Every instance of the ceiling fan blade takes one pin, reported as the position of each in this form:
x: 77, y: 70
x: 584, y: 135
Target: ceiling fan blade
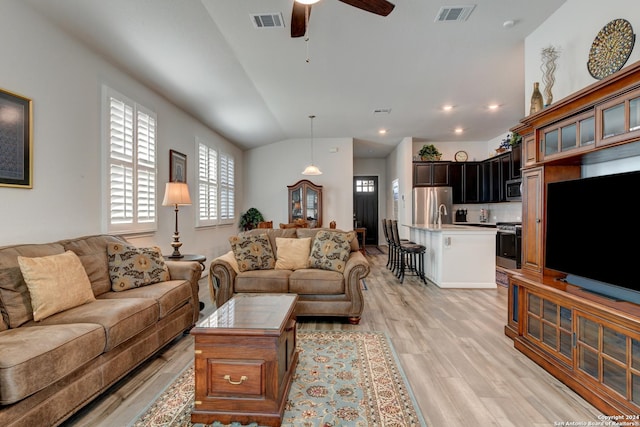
x: 379, y: 7
x: 298, y: 19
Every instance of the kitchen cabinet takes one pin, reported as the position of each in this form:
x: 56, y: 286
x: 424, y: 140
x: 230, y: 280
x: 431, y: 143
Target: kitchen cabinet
x: 305, y: 202
x: 430, y: 174
x: 515, y: 162
x: 464, y: 178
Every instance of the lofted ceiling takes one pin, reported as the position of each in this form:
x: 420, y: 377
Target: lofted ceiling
x: 255, y: 86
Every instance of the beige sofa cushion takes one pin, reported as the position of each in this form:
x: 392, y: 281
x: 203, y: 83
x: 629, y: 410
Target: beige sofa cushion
x: 293, y: 254
x: 311, y: 281
x: 56, y: 283
x: 53, y: 352
x: 15, y: 302
x: 170, y: 295
x: 276, y: 281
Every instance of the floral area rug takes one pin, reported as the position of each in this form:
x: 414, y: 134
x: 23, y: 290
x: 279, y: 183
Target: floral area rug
x: 343, y: 378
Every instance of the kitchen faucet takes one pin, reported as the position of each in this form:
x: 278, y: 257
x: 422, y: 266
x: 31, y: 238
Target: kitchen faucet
x: 440, y: 208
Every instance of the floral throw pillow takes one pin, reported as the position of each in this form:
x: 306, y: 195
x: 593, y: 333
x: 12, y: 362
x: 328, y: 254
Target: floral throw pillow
x: 132, y: 267
x: 330, y: 251
x: 253, y: 252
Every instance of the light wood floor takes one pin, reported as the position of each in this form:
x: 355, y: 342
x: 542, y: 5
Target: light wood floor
x: 462, y: 368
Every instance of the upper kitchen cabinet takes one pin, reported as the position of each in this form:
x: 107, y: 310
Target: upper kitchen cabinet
x: 465, y: 180
x: 430, y: 174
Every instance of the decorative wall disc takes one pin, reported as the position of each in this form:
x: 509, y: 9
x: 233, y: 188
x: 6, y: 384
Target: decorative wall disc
x: 611, y: 48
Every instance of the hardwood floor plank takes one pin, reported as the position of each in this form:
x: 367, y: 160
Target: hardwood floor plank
x: 451, y: 345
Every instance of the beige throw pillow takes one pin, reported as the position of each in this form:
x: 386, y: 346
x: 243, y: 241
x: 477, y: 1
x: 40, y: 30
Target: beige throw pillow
x: 293, y: 254
x: 330, y: 251
x: 132, y: 267
x: 56, y: 283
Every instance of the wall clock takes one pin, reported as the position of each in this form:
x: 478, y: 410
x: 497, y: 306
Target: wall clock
x: 611, y: 48
x: 461, y: 156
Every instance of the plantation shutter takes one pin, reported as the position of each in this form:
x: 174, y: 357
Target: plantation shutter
x: 227, y: 196
x: 131, y: 142
x: 207, y: 185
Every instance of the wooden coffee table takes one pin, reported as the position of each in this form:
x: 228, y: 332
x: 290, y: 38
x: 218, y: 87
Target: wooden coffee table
x: 245, y: 356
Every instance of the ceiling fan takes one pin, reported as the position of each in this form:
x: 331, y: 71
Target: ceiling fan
x: 302, y: 8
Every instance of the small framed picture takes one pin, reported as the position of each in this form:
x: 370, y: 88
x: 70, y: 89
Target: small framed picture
x: 16, y: 141
x: 177, y: 166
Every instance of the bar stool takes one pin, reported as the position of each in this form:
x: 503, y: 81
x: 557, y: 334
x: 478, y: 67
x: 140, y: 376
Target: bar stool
x: 411, y: 255
x: 389, y: 242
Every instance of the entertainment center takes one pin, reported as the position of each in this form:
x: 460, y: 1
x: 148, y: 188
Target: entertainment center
x: 572, y: 307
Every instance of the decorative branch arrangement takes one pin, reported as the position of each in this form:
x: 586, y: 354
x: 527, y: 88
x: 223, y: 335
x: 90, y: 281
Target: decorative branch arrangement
x: 549, y: 56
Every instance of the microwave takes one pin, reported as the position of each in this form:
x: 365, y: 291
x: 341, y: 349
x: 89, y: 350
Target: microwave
x: 514, y: 190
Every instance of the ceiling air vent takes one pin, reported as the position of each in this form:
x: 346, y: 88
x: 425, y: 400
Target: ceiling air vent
x: 454, y: 13
x: 267, y: 20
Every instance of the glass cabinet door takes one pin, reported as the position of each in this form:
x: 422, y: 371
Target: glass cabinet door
x: 305, y: 203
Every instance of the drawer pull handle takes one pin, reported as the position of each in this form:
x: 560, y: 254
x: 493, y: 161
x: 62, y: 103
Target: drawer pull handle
x: 242, y: 378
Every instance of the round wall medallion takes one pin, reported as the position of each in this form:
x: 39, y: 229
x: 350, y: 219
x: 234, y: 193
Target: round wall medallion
x: 611, y: 48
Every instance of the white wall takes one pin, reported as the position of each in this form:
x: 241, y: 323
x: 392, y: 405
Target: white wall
x: 64, y: 81
x: 572, y: 30
x: 271, y: 168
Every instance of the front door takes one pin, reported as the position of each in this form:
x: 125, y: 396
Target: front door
x: 365, y: 205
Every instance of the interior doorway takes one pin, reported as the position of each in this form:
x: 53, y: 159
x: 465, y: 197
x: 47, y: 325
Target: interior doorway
x: 365, y: 206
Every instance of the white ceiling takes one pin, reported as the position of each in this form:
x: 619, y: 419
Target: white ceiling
x: 254, y: 86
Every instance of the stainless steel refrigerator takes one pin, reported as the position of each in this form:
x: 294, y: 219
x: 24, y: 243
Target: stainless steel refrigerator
x: 427, y: 201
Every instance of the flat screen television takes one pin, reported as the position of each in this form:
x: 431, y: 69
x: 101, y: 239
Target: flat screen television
x: 593, y: 232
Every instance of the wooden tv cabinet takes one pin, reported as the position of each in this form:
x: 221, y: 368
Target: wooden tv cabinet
x: 587, y: 341
x: 245, y: 357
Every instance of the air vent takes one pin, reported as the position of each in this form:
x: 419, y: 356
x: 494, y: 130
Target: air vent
x: 267, y: 20
x: 382, y: 111
x: 454, y: 13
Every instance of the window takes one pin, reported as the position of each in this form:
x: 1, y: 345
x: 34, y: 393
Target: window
x: 365, y: 186
x: 216, y: 186
x: 130, y: 144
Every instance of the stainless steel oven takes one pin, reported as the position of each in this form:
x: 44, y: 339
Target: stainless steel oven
x: 508, y: 244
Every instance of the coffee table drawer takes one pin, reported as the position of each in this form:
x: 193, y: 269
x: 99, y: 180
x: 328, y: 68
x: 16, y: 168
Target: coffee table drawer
x: 236, y: 377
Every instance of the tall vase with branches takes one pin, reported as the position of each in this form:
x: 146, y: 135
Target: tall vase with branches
x: 549, y: 56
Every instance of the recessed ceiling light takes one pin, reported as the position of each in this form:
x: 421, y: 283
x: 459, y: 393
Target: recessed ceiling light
x: 382, y: 131
x: 447, y: 107
x: 458, y: 130
x: 493, y: 107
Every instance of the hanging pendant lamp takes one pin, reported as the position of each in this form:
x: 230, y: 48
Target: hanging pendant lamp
x: 311, y: 169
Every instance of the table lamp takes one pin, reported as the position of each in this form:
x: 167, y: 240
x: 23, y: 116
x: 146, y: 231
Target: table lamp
x: 176, y: 194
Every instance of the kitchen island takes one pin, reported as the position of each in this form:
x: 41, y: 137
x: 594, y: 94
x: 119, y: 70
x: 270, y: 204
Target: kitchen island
x: 458, y: 256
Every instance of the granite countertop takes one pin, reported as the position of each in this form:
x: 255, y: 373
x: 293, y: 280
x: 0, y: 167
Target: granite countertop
x: 476, y: 224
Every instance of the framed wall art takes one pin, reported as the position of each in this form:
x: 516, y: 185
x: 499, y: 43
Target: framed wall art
x: 177, y: 166
x: 16, y: 141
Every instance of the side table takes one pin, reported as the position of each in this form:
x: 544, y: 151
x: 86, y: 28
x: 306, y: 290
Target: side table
x: 190, y: 257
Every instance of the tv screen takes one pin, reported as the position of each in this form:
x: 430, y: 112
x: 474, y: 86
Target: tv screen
x: 592, y: 229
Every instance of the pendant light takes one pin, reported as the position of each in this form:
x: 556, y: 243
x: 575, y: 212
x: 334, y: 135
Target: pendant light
x: 311, y: 169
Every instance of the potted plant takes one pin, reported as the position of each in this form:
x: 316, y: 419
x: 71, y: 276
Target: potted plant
x: 250, y: 219
x: 510, y: 141
x: 429, y: 152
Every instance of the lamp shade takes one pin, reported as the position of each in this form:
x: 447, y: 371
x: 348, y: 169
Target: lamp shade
x: 311, y: 170
x: 176, y: 193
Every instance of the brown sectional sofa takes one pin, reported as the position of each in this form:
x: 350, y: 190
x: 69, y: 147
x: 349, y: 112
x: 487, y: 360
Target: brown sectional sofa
x: 320, y: 292
x: 50, y: 368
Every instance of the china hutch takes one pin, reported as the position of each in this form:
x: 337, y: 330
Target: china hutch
x: 588, y: 341
x: 305, y: 203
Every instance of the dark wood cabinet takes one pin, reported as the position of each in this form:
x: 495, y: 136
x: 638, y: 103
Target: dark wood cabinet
x: 430, y: 174
x: 305, y: 202
x: 465, y: 178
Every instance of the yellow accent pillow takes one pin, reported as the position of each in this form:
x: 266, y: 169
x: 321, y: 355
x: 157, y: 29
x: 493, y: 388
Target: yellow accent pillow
x: 56, y: 283
x: 293, y: 254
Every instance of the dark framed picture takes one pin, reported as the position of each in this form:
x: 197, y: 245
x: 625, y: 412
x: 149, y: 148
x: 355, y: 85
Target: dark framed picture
x: 16, y: 141
x: 177, y: 166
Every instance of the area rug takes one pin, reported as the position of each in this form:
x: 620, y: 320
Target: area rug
x: 343, y: 378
